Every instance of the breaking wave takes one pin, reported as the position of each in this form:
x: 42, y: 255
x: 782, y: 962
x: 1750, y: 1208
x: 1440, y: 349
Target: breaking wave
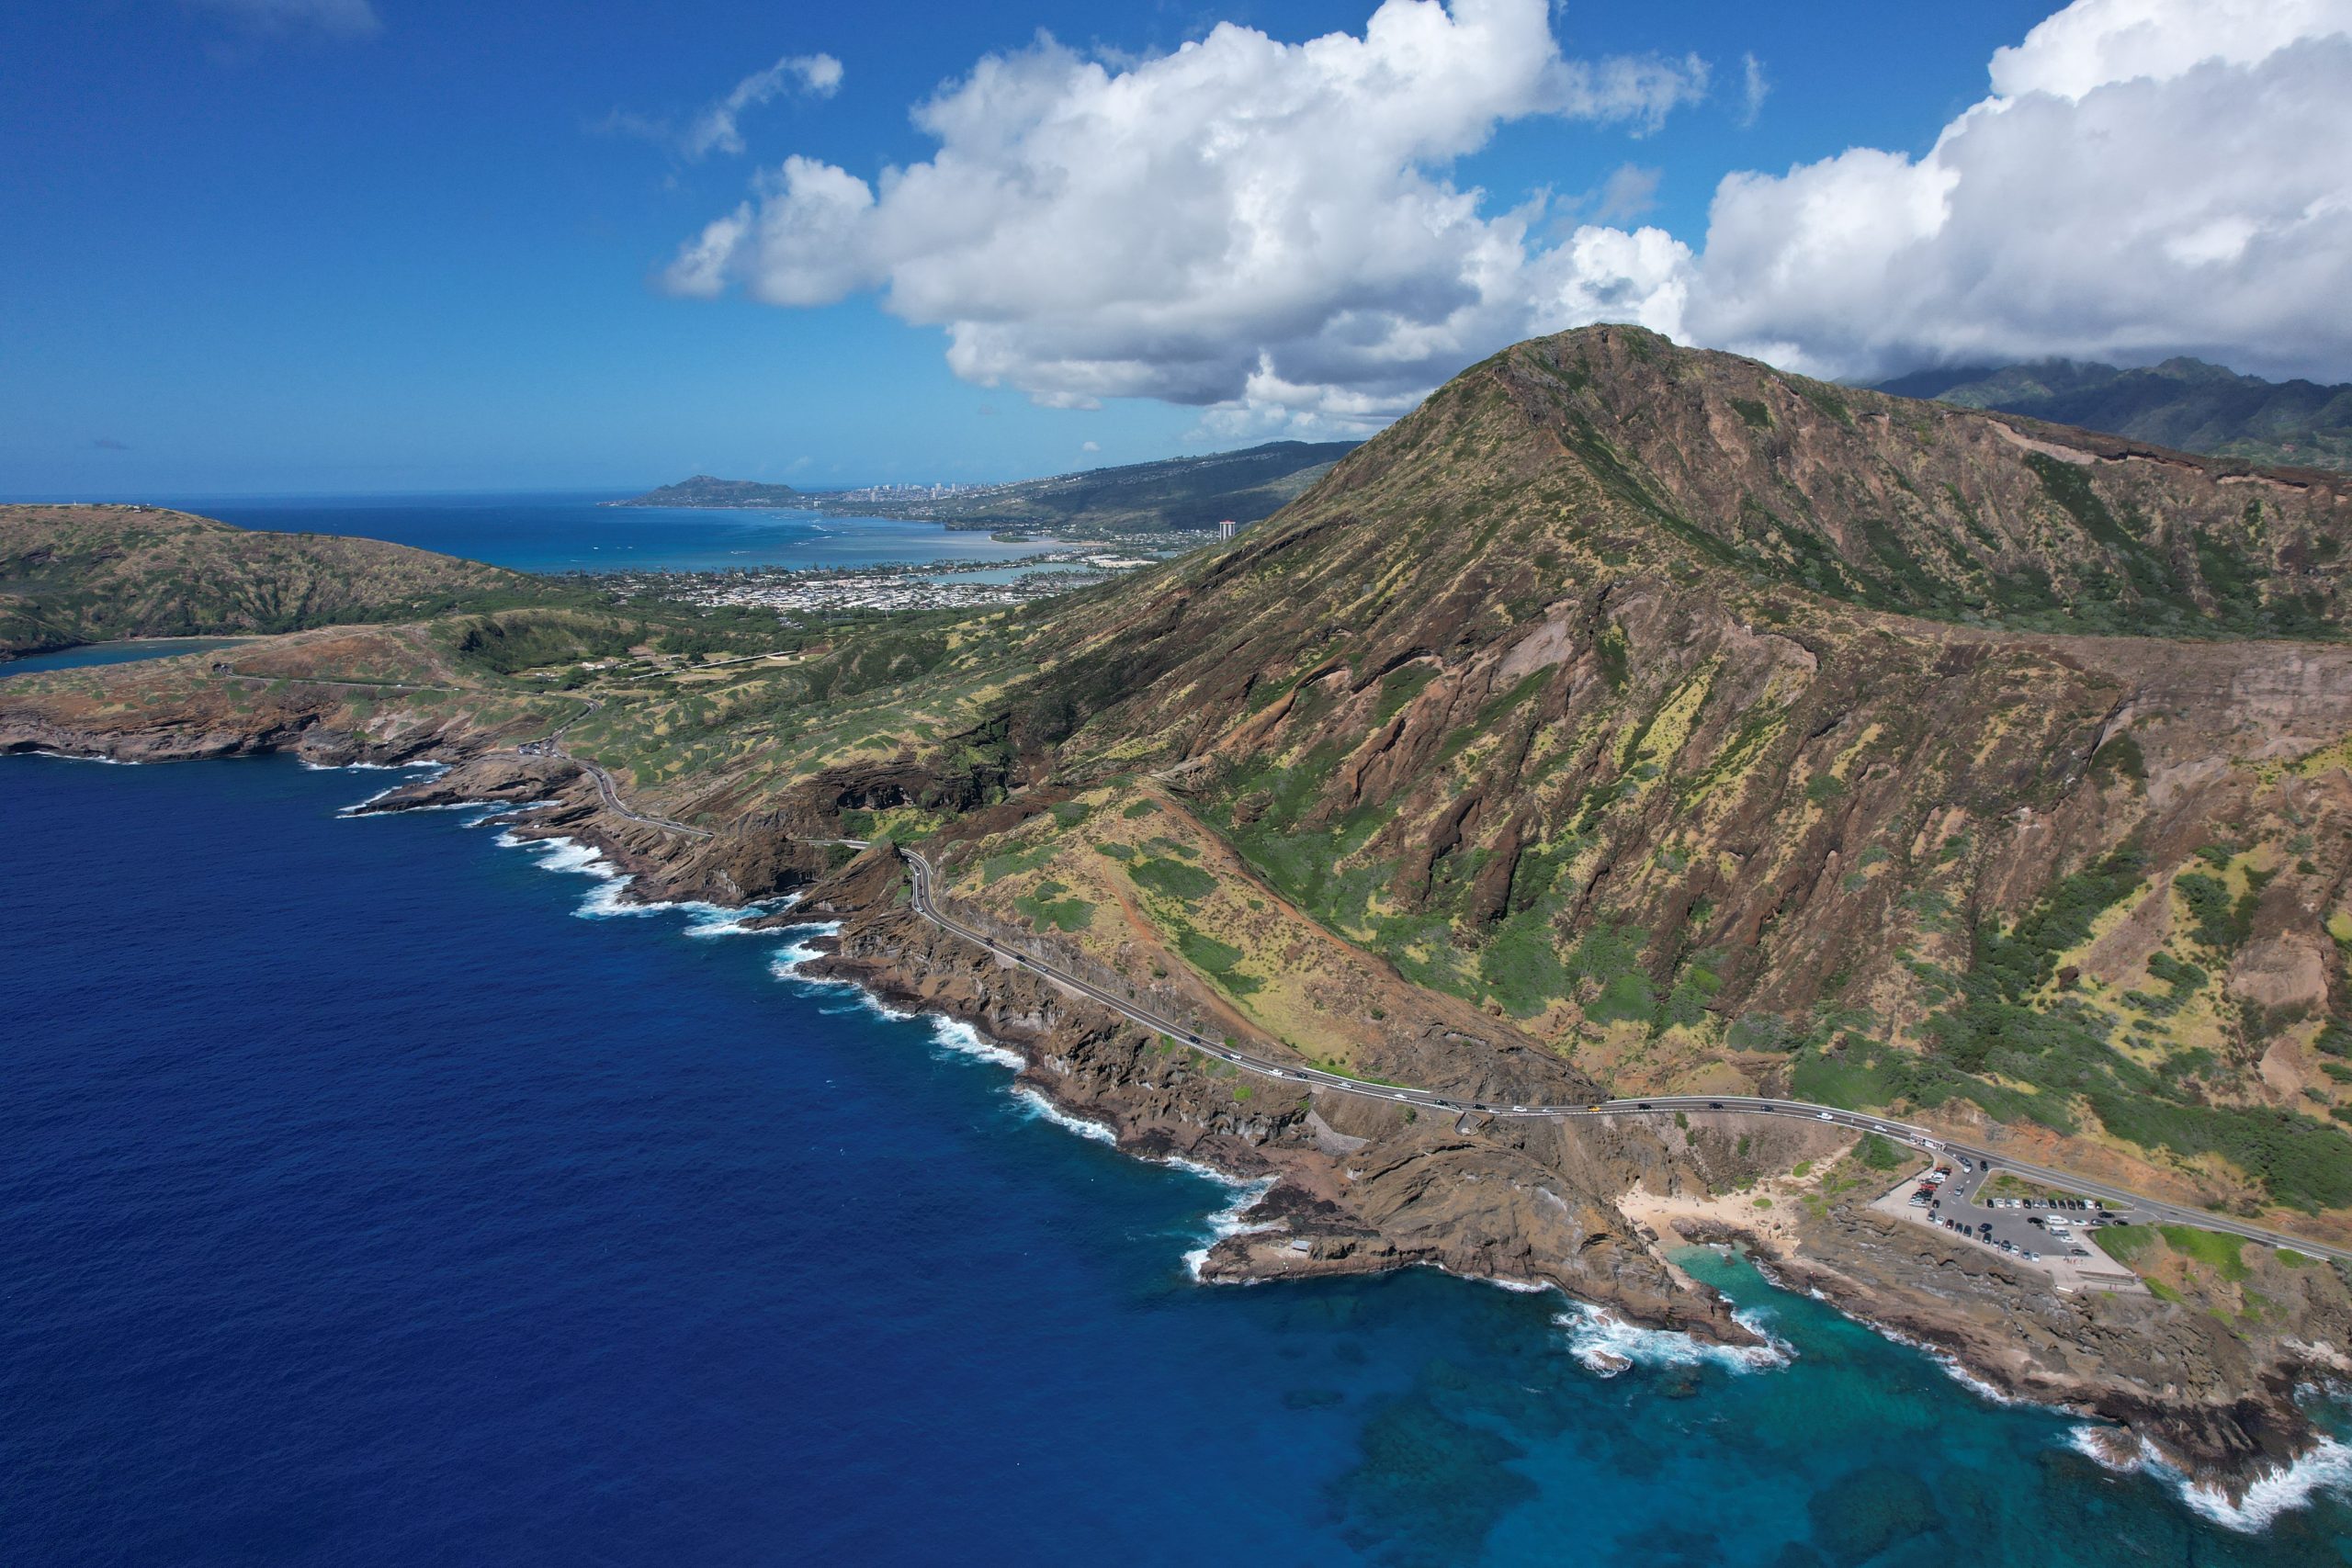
x: 1047, y: 1110
x: 713, y: 919
x: 1950, y: 1363
x: 1227, y: 1221
x: 1607, y: 1344
x: 2328, y: 1467
x: 110, y: 761
x: 955, y: 1034
x: 785, y: 965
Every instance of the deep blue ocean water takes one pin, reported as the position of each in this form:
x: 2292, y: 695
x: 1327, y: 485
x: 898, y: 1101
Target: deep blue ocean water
x: 361, y: 1203
x: 110, y: 653
x: 572, y: 532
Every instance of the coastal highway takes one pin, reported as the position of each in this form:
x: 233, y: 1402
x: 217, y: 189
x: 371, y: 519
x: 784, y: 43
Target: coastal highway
x: 921, y: 877
x: 613, y: 800
x: 2150, y: 1210
x: 552, y: 746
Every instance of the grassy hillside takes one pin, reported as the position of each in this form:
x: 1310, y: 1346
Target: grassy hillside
x: 2185, y: 403
x: 1647, y: 718
x: 1179, y: 493
x: 1706, y: 724
x: 73, y: 574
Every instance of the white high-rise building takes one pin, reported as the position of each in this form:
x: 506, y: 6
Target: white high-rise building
x: 1225, y: 529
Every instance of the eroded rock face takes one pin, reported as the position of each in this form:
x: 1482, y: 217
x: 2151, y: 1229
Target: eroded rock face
x: 2215, y: 1397
x: 1610, y: 646
x: 1358, y: 1185
x: 1499, y: 1200
x: 503, y: 777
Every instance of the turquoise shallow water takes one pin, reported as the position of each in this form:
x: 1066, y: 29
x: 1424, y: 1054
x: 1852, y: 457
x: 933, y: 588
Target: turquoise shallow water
x: 372, y: 1198
x: 555, y: 533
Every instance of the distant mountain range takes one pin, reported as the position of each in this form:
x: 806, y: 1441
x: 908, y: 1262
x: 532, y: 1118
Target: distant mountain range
x: 2185, y: 403
x: 1178, y: 493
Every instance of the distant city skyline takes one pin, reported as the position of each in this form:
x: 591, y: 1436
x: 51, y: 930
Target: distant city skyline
x: 379, y: 247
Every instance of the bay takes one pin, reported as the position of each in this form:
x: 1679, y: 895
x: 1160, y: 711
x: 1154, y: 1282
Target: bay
x: 563, y: 532
x: 371, y: 1198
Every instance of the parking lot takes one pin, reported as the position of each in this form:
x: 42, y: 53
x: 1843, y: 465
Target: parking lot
x: 2040, y: 1233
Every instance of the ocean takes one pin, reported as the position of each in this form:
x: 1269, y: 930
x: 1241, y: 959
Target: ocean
x: 375, y: 1194
x: 570, y: 531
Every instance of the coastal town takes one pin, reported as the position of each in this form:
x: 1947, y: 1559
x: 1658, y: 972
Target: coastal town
x: 824, y: 591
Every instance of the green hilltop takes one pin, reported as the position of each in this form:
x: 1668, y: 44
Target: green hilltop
x: 76, y: 574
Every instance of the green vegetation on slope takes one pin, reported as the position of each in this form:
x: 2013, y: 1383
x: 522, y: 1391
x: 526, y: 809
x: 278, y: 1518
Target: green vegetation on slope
x: 2184, y: 403
x: 1616, y: 694
x: 74, y: 574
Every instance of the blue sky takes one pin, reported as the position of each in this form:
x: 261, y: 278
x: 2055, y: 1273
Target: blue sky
x: 373, y: 245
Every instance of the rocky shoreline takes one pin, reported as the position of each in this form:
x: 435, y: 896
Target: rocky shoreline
x: 1355, y: 1186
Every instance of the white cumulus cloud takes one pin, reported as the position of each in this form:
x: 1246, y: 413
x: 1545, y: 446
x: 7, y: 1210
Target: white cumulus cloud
x: 1271, y: 231
x: 1243, y: 221
x: 2148, y: 178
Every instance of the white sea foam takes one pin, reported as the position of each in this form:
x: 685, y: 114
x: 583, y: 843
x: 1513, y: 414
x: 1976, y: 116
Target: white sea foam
x: 611, y: 900
x: 491, y: 810
x: 567, y: 855
x: 714, y: 920
x: 1950, y: 1363
x: 955, y: 1034
x: 604, y: 902
x: 2328, y: 1467
x: 703, y: 919
x: 1045, y: 1109
x: 864, y: 1001
x: 1222, y: 1177
x: 785, y: 965
x: 70, y: 757
x: 1607, y: 1344
x: 1228, y: 1221
x: 359, y: 807
x: 2109, y: 1448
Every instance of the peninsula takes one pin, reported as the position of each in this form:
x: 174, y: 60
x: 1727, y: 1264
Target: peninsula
x: 1865, y: 784
x: 1175, y: 494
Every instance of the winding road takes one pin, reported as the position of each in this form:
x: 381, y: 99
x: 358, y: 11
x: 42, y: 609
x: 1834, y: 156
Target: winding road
x: 921, y: 877
x: 552, y: 746
x: 2145, y: 1207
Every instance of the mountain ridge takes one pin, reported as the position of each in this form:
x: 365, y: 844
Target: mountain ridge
x: 1526, y: 795
x: 74, y: 574
x: 2181, y: 403
x: 1170, y: 494
x: 1630, y: 718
